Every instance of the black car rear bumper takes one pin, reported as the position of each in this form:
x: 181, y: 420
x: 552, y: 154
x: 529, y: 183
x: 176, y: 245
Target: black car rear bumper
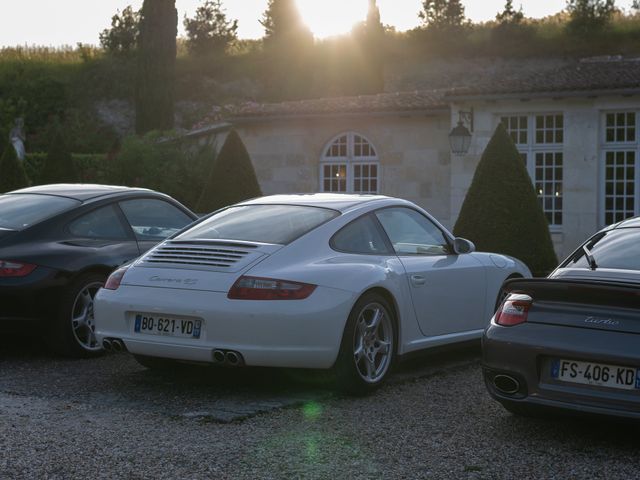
x: 30, y: 298
x: 525, y: 353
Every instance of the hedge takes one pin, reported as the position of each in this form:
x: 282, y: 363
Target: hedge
x: 92, y: 168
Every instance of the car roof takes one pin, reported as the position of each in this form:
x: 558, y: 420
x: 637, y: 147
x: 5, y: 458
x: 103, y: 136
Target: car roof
x: 336, y: 201
x: 629, y: 223
x: 80, y: 192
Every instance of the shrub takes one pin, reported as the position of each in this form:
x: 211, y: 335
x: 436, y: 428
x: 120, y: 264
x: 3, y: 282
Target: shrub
x: 58, y: 166
x: 12, y: 174
x: 232, y: 178
x: 501, y: 212
x: 162, y: 164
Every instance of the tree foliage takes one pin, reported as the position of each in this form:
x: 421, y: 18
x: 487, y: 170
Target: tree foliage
x: 12, y: 173
x: 501, y: 212
x: 284, y: 27
x: 232, y: 178
x: 510, y: 16
x: 443, y: 14
x: 155, y: 83
x: 370, y: 37
x: 587, y: 16
x: 210, y: 31
x: 122, y: 37
x: 288, y: 48
x: 58, y: 166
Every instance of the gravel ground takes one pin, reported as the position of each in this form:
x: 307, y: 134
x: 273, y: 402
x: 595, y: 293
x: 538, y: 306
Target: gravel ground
x: 109, y: 418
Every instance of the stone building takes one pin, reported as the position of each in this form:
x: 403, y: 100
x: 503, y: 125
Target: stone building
x: 576, y: 126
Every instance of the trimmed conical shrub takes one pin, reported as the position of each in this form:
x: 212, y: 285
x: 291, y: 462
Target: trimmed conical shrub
x: 501, y: 212
x: 58, y: 166
x: 232, y: 178
x: 12, y: 174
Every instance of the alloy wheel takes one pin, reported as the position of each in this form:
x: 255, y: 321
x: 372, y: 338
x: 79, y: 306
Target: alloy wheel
x: 82, y: 319
x: 373, y: 342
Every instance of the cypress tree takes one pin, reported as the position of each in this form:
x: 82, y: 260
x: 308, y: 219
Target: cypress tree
x: 232, y: 178
x: 12, y: 174
x: 501, y: 212
x: 370, y: 36
x: 58, y: 166
x: 156, y: 66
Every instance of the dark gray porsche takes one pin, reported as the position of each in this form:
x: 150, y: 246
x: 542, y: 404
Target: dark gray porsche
x: 572, y: 340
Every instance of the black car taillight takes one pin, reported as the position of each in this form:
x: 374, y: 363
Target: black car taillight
x: 113, y: 282
x: 255, y: 288
x: 514, y: 310
x: 10, y: 268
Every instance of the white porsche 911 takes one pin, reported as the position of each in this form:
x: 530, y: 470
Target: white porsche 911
x: 307, y: 281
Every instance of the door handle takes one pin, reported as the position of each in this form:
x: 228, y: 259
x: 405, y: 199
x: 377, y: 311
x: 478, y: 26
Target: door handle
x: 418, y: 280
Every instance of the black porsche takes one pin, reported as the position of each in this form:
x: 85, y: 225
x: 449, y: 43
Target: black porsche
x: 59, y: 243
x: 572, y: 341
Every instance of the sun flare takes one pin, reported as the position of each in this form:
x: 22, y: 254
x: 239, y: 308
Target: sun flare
x: 327, y: 18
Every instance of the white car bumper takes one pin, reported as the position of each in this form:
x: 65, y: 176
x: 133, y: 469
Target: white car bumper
x: 282, y: 333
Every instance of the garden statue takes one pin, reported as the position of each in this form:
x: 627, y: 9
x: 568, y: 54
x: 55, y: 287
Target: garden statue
x: 17, y: 138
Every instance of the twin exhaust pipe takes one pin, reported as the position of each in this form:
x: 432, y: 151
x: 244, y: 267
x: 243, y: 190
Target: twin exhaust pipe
x: 228, y: 358
x: 114, y: 345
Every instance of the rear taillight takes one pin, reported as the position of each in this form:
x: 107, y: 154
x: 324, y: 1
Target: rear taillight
x: 255, y: 288
x: 113, y: 282
x: 514, y: 310
x: 9, y: 268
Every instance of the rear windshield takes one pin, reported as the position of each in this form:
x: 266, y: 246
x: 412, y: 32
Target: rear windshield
x: 279, y: 224
x: 619, y: 249
x: 19, y: 211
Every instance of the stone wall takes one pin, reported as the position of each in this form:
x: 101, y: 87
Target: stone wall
x: 413, y: 152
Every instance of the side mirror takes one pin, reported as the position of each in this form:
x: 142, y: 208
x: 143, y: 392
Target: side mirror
x: 462, y: 246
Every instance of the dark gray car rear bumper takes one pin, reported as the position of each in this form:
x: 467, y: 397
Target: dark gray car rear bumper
x: 525, y: 352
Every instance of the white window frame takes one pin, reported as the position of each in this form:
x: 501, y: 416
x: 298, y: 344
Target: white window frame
x: 350, y: 161
x: 615, y: 147
x: 531, y: 148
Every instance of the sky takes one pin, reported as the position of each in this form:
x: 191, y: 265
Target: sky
x: 67, y: 22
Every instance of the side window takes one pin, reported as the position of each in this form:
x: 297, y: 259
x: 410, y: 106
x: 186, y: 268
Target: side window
x: 100, y: 223
x: 360, y: 236
x: 153, y: 219
x: 412, y: 233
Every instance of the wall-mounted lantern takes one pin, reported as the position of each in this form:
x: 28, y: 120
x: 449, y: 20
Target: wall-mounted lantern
x: 460, y: 136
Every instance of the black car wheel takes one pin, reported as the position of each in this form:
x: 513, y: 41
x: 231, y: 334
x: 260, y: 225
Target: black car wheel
x: 367, y: 351
x: 72, y: 332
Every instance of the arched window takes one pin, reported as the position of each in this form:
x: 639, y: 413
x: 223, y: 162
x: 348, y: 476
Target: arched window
x: 350, y: 164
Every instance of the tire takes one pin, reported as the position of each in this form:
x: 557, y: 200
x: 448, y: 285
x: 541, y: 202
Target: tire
x: 72, y: 331
x: 367, y: 353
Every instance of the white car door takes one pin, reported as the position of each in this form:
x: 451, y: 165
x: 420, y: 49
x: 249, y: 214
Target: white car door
x: 448, y: 290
